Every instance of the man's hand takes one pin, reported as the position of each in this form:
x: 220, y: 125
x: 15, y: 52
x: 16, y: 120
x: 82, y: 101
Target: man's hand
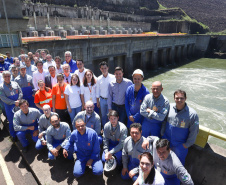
x: 109, y: 110
x: 35, y: 133
x: 44, y: 142
x: 108, y: 156
x: 124, y: 170
x: 148, y: 110
x: 98, y: 103
x: 54, y: 110
x: 40, y: 135
x: 69, y: 109
x: 65, y: 153
x: 54, y: 152
x: 131, y: 174
x: 31, y: 128
x: 89, y: 162
x: 145, y: 144
x: 131, y: 119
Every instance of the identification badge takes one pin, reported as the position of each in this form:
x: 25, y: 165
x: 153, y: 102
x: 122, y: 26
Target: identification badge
x: 155, y: 109
x: 182, y: 124
x: 90, y: 98
x: 62, y: 96
x: 12, y: 93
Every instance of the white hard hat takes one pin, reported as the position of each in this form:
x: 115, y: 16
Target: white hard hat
x: 138, y: 71
x: 110, y: 164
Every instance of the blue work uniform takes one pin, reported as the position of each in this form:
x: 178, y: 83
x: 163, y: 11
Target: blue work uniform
x: 72, y: 64
x: 181, y: 128
x: 22, y: 121
x: 56, y: 137
x: 152, y: 122
x: 86, y: 147
x: 133, y: 103
x: 113, y: 139
x: 4, y: 66
x: 9, y: 60
x: 130, y: 156
x: 92, y: 121
x: 43, y: 124
x: 171, y: 168
x: 26, y: 84
x: 9, y: 93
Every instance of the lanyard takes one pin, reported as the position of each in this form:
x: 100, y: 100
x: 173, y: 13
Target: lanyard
x: 61, y: 91
x: 44, y: 93
x: 90, y: 90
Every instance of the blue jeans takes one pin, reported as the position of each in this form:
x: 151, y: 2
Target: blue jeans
x: 74, y: 112
x: 104, y: 111
x: 121, y: 112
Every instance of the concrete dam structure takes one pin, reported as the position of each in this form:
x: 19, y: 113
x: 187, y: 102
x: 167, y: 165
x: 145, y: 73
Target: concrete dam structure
x: 140, y: 51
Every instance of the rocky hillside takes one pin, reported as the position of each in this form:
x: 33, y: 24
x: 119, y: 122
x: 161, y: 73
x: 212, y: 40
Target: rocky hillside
x: 210, y: 12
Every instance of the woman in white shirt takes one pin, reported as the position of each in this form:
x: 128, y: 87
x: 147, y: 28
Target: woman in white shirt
x: 73, y: 97
x: 148, y: 175
x: 88, y: 90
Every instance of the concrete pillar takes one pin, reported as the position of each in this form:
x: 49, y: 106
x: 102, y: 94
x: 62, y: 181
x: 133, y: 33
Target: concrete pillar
x: 144, y: 60
x: 185, y: 52
x: 111, y: 65
x: 163, y: 58
x: 154, y: 64
x: 179, y: 54
x: 129, y: 65
x: 193, y: 50
x: 172, y: 55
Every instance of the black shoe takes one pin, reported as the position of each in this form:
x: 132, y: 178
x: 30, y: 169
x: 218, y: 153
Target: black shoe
x: 25, y: 149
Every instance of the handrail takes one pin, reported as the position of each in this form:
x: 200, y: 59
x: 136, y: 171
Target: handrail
x: 204, y: 133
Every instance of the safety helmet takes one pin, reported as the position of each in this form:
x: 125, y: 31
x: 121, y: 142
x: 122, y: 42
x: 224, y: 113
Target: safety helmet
x: 110, y: 164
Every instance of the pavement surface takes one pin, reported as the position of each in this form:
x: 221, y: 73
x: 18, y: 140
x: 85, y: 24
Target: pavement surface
x: 34, y: 167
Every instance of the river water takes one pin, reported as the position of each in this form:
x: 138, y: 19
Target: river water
x: 204, y: 81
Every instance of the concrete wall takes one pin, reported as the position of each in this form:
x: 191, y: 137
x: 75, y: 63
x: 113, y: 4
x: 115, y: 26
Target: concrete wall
x: 129, y: 52
x: 41, y: 23
x: 13, y: 8
x: 207, y: 166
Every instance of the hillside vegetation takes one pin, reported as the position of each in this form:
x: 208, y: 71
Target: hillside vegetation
x: 210, y: 12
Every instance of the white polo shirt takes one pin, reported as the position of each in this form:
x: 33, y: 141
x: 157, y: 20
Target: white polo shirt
x: 74, y: 95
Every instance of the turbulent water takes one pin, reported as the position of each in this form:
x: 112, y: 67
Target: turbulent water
x: 204, y: 81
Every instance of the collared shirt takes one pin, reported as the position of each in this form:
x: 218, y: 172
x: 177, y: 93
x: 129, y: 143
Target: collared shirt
x: 44, y: 123
x: 63, y: 133
x: 159, y: 107
x: 4, y: 66
x: 186, y: 118
x: 53, y: 80
x: 22, y: 121
x: 9, y: 60
x: 25, y: 81
x: 103, y: 85
x: 132, y: 150
x: 171, y: 165
x: 60, y: 70
x: 30, y: 70
x: 89, y: 92
x: 72, y: 64
x: 12, y: 78
x: 117, y: 91
x: 39, y: 76
x: 118, y: 134
x: 80, y: 74
x: 67, y: 79
x: 87, y: 145
x: 92, y: 122
x: 7, y: 90
x: 47, y: 64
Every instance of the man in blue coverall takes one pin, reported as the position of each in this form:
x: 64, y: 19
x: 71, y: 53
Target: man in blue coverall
x: 10, y: 94
x: 154, y: 108
x: 182, y: 126
x: 87, y: 148
x: 25, y: 122
x: 68, y: 60
x: 134, y: 97
x: 26, y: 84
x: 3, y: 64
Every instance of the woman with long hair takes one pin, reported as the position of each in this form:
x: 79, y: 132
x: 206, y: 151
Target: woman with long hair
x: 73, y: 97
x: 88, y: 90
x: 148, y: 175
x: 43, y: 96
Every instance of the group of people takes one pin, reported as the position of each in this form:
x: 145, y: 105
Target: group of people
x: 65, y: 107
